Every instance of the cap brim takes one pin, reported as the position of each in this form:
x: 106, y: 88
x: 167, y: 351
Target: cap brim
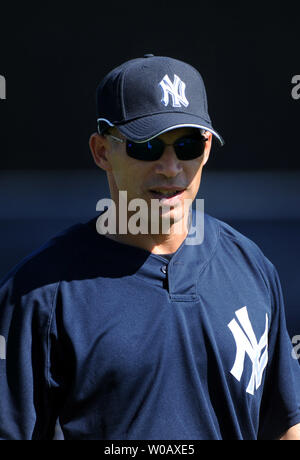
x: 146, y: 128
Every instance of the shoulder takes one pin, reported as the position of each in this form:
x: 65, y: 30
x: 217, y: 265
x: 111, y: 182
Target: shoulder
x: 58, y: 259
x: 232, y: 237
x: 237, y: 247
x: 246, y: 264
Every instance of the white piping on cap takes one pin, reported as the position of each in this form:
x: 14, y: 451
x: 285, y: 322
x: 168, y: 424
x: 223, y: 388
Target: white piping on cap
x: 185, y: 125
x: 106, y: 121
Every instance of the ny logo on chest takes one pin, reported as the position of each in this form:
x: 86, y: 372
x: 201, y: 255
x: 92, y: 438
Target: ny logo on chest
x: 246, y: 342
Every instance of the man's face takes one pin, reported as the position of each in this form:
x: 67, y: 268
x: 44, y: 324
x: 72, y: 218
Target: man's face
x: 168, y: 179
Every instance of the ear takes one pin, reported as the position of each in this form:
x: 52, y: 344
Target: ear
x: 99, y: 147
x: 207, y: 149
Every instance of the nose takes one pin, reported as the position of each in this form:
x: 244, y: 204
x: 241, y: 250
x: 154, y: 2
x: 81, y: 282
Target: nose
x: 168, y: 164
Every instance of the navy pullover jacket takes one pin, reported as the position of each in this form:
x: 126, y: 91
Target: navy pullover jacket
x: 124, y: 344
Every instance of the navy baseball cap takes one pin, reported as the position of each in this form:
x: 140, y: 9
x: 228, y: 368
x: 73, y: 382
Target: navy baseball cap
x: 148, y: 96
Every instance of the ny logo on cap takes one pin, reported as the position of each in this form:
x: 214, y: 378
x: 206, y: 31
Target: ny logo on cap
x: 176, y: 90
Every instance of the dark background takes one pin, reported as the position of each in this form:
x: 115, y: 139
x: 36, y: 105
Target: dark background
x: 53, y: 57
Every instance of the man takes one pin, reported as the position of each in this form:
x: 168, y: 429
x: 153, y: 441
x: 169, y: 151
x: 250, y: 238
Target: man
x: 173, y: 332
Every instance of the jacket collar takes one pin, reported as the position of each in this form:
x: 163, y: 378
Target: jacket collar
x: 179, y: 275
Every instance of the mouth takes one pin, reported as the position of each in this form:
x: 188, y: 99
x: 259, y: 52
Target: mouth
x: 165, y: 194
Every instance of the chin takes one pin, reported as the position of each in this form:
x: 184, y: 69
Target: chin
x: 173, y: 217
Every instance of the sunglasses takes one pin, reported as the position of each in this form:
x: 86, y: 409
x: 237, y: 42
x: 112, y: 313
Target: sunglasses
x: 186, y: 147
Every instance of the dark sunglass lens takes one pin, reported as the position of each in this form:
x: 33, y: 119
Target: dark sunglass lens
x: 188, y: 148
x: 145, y: 151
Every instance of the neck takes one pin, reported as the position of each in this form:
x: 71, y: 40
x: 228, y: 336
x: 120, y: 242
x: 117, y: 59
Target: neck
x: 156, y: 244
x: 165, y: 241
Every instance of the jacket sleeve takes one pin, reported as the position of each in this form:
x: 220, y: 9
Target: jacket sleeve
x: 28, y: 401
x: 280, y: 407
